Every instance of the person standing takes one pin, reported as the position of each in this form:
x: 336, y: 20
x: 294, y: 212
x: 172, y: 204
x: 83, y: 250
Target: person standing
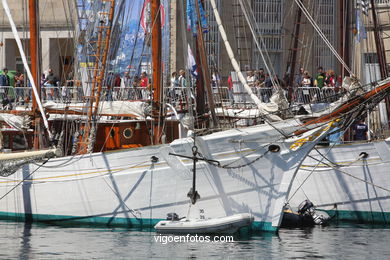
x: 144, y: 82
x: 173, y: 86
x: 5, y: 82
x: 19, y: 86
x: 360, y: 130
x: 320, y: 78
x: 306, y: 85
x: 51, y: 83
x: 250, y: 79
x: 230, y: 89
x: 319, y: 82
x: 4, y: 78
x: 117, y: 86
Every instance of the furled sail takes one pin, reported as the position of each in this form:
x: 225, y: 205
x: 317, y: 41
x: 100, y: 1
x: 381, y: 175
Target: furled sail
x: 265, y: 109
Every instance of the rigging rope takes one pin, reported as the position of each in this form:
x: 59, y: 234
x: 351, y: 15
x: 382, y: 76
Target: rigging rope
x: 322, y: 35
x: 351, y: 175
x: 26, y: 66
x: 269, y: 68
x: 25, y: 178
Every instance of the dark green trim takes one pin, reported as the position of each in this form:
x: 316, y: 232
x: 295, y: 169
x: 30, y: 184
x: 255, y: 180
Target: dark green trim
x: 368, y: 217
x: 96, y: 221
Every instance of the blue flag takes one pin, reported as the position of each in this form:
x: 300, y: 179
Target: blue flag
x: 192, y: 17
x: 361, y: 30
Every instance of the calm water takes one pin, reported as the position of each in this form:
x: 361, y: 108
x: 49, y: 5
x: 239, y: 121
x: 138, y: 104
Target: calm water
x: 20, y: 241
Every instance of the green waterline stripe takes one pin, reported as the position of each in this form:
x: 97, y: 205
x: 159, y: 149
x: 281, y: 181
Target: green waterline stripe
x: 369, y: 217
x: 105, y: 221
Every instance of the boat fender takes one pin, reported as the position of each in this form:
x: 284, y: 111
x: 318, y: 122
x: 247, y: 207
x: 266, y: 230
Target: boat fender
x: 363, y: 155
x: 274, y: 148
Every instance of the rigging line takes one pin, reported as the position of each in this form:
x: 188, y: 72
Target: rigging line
x: 237, y: 68
x: 25, y: 63
x: 307, y: 177
x: 351, y: 175
x: 25, y: 178
x: 269, y: 68
x: 324, y: 38
x: 319, y: 162
x: 133, y: 212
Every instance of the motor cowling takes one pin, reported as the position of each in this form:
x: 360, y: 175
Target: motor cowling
x: 173, y: 216
x: 307, y: 208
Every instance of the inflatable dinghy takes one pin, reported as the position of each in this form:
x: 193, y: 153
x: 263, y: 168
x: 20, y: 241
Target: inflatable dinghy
x: 225, y: 225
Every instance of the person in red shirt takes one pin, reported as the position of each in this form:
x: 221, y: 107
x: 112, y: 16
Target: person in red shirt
x: 144, y: 82
x: 230, y: 89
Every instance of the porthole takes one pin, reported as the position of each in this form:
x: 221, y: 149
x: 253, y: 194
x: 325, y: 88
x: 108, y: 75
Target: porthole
x: 273, y: 148
x: 127, y: 133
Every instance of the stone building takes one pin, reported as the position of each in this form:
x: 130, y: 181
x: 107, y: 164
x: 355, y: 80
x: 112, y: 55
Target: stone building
x: 56, y: 23
x: 273, y: 22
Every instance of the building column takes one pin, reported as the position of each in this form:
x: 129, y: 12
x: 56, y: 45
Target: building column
x: 173, y: 36
x: 9, y: 56
x: 45, y: 53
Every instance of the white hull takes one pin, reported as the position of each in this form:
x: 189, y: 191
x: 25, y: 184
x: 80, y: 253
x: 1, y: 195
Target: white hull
x: 360, y: 188
x: 126, y: 188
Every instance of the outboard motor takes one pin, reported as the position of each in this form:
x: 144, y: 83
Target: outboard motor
x: 307, y: 208
x: 173, y: 217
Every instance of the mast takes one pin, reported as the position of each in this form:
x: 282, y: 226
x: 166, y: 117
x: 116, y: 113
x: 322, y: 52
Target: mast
x: 380, y: 52
x: 34, y: 49
x: 97, y: 81
x: 205, y: 69
x: 294, y: 50
x: 378, y: 42
x: 157, y: 71
x: 345, y: 10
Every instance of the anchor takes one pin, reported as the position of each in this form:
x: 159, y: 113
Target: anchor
x: 196, y: 156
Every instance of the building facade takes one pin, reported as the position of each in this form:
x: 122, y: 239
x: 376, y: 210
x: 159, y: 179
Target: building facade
x: 56, y: 24
x: 273, y: 23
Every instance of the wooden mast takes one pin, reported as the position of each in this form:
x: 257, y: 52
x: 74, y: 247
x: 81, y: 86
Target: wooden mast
x: 105, y: 54
x: 380, y: 52
x: 34, y: 50
x: 205, y: 69
x: 378, y: 42
x: 98, y: 75
x: 294, y: 51
x: 157, y: 71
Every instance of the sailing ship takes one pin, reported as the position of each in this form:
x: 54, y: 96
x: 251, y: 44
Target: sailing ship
x: 349, y: 180
x: 135, y: 181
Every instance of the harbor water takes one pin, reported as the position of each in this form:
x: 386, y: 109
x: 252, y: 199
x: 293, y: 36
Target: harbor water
x: 38, y: 241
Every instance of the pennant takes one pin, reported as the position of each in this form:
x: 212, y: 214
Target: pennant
x: 191, y: 64
x: 364, y: 6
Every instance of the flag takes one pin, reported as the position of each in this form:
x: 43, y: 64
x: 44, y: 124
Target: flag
x: 363, y: 4
x: 191, y: 64
x: 192, y: 17
x: 146, y: 16
x: 361, y: 30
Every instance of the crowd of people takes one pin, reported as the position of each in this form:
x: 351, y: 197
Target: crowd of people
x: 322, y: 79
x: 15, y: 87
